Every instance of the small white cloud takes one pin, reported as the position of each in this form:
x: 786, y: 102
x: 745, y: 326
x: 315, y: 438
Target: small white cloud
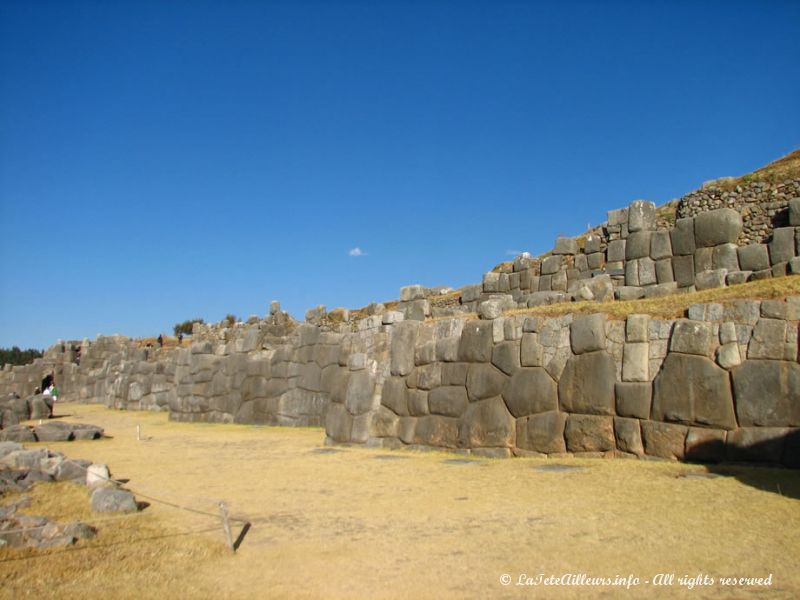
x: 518, y: 253
x: 356, y: 252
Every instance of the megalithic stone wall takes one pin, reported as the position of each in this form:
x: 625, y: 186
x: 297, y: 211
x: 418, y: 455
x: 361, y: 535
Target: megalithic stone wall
x: 723, y: 384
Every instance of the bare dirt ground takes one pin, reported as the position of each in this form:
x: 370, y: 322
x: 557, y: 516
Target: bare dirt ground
x: 361, y: 523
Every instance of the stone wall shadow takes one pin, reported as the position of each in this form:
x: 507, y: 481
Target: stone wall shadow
x: 772, y: 465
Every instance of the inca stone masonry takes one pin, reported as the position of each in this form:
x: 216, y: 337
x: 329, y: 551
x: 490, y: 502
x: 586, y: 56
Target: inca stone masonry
x: 721, y: 384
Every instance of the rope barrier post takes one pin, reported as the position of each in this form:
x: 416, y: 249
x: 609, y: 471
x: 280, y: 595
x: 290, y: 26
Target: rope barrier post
x: 226, y: 526
x: 138, y: 434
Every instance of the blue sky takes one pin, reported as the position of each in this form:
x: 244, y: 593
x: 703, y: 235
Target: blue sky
x: 167, y: 160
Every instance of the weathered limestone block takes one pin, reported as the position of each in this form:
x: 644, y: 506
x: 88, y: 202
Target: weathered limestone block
x: 647, y: 271
x: 616, y: 251
x: 394, y: 396
x: 725, y: 256
x: 767, y: 393
x: 404, y: 339
x: 629, y: 435
x: 710, y: 279
x: 476, y: 342
x: 738, y: 277
x: 753, y: 257
x: 594, y: 260
x: 703, y: 259
x: 359, y: 395
x: 438, y: 431
x: 638, y: 245
x: 601, y: 287
x: 705, y: 445
x: 759, y: 444
x: 633, y: 399
x: 636, y: 328
x: 617, y: 217
x: 587, y: 333
x: 416, y: 310
x: 542, y: 433
x: 664, y: 273
x: 449, y: 401
x: 692, y: 389
x: 794, y: 212
x: 585, y: 433
x: 743, y: 312
x: 707, y: 311
x: 683, y: 269
x: 417, y: 402
x: 405, y: 429
x: 531, y: 351
x: 692, y: 337
x: 728, y: 355
x: 424, y: 354
x: 425, y: 377
x: 587, y: 384
x: 635, y: 362
x: 769, y: 337
x: 552, y: 264
x: 506, y: 356
x: 412, y: 292
x: 782, y: 247
x: 384, y: 423
x: 454, y: 373
x: 447, y: 349
x: 632, y: 273
x: 484, y: 381
x: 682, y: 237
x: 113, y: 500
x: 529, y: 391
x: 664, y: 439
x: 715, y: 227
x: 641, y: 216
x: 566, y: 245
x: 487, y: 424
x: 559, y: 282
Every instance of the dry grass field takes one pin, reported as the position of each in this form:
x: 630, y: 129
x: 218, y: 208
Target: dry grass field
x: 361, y: 523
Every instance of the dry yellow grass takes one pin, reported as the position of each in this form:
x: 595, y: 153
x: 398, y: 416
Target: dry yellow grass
x: 786, y: 167
x: 363, y: 523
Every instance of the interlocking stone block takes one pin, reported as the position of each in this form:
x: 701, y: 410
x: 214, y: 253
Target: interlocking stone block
x: 767, y: 393
x: 725, y: 256
x: 635, y: 362
x: 692, y: 389
x: 487, y: 424
x: 710, y: 279
x: 715, y: 227
x: 484, y: 381
x: 529, y: 391
x: 782, y: 246
x: 552, y: 264
x: 587, y: 384
x: 587, y: 433
x: 588, y: 333
x: 616, y: 250
x: 629, y: 435
x: 542, y: 433
x: 692, y: 337
x: 641, y: 216
x: 683, y: 269
x: 638, y: 245
x: 566, y: 245
x: 476, y: 342
x: 753, y: 257
x: 449, y: 401
x: 705, y: 445
x: 757, y: 444
x: 660, y: 245
x: 682, y: 237
x: 769, y: 336
x: 664, y: 439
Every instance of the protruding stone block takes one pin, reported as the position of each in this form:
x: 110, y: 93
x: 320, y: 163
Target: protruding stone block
x: 551, y: 264
x: 710, y: 279
x: 484, y: 381
x: 588, y: 333
x: 664, y: 440
x: 757, y: 444
x: 682, y: 237
x: 705, y: 445
x: 542, y: 433
x: 720, y: 226
x: 412, y: 292
x: 638, y: 245
x: 692, y: 389
x: 683, y: 270
x: 767, y: 393
x: 725, y: 256
x: 566, y: 245
x: 476, y: 342
x: 587, y: 433
x: 641, y: 216
x: 635, y: 362
x: 616, y: 250
x: 587, y: 384
x: 636, y: 328
x: 629, y: 435
x: 692, y: 337
x: 794, y: 212
x: 634, y: 399
x: 449, y: 401
x: 404, y: 339
x: 487, y: 424
x: 753, y: 257
x: 769, y: 336
x: 782, y: 246
x: 530, y: 391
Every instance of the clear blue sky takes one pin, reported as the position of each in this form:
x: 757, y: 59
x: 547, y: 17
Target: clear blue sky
x: 167, y: 160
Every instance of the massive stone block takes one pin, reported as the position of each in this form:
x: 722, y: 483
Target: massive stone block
x: 531, y: 390
x: 434, y: 430
x: 585, y: 433
x: 552, y: 264
x: 692, y: 389
x: 759, y: 444
x: 487, y: 424
x: 404, y: 340
x: 635, y: 362
x: 484, y: 381
x: 506, y: 355
x: 782, y: 246
x: 384, y: 423
x: 634, y: 399
x: 641, y: 216
x: 725, y: 256
x: 767, y: 393
x: 664, y: 440
x: 692, y: 337
x: 338, y: 423
x: 683, y: 269
x: 588, y: 333
x: 705, y: 445
x: 449, y: 401
x: 542, y: 433
x: 476, y: 342
x: 715, y: 227
x: 638, y: 245
x: 394, y: 396
x: 682, y: 236
x: 768, y: 341
x: 753, y: 257
x: 566, y: 245
x: 359, y: 395
x: 629, y: 435
x: 587, y: 384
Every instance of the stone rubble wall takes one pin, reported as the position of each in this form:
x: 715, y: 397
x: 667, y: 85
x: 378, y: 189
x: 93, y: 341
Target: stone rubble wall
x: 723, y: 384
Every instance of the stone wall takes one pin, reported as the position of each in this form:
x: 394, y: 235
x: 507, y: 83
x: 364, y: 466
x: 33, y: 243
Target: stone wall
x: 721, y: 384
x: 763, y: 205
x: 631, y: 257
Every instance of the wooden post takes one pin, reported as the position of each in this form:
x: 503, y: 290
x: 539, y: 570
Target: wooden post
x: 226, y: 526
x: 138, y: 434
